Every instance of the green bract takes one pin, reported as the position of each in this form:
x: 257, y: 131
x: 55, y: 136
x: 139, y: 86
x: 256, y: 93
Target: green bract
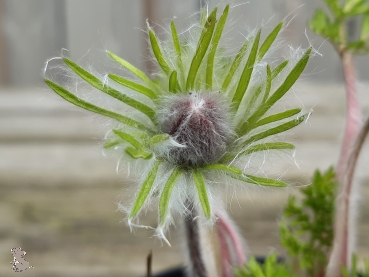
x: 197, y: 84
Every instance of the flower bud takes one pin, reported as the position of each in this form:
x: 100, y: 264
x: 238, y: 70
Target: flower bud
x: 200, y: 123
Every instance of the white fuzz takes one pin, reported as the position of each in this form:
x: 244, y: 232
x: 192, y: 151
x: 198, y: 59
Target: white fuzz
x: 199, y: 122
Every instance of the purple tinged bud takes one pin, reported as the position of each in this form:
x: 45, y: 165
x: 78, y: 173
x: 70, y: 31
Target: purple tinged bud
x: 200, y: 123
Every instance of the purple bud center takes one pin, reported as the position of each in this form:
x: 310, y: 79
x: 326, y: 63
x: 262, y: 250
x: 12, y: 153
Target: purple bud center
x: 199, y: 122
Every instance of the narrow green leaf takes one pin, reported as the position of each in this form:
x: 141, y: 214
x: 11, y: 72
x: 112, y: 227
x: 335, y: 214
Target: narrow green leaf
x: 128, y: 138
x: 201, y: 190
x: 145, y: 190
x: 136, y: 153
x: 92, y: 108
x: 133, y: 69
x: 279, y: 93
x: 264, y: 48
x: 255, y: 93
x: 133, y: 85
x: 138, y: 150
x: 268, y: 83
x: 167, y: 191
x: 267, y: 146
x: 177, y: 47
x: 257, y: 148
x: 237, y: 174
x: 173, y: 82
x: 291, y: 78
x: 158, y: 53
x: 159, y: 138
x: 235, y: 65
x: 279, y: 68
x: 202, y: 47
x: 111, y: 143
x: 247, y: 178
x: 224, y: 167
x: 276, y: 130
x: 213, y: 47
x: 277, y: 117
x: 97, y: 83
x: 244, y: 81
x: 266, y: 182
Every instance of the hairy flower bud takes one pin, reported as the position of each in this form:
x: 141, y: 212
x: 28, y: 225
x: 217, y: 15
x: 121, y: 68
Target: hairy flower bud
x: 198, y: 122
x: 198, y: 119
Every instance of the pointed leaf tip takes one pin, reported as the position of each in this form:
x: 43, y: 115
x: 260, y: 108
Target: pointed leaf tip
x: 158, y: 52
x: 245, y: 78
x: 201, y: 190
x: 145, y: 190
x: 202, y: 47
x: 166, y: 194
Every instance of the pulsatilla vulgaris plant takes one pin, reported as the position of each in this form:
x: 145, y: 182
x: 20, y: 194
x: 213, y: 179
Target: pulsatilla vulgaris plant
x: 193, y: 125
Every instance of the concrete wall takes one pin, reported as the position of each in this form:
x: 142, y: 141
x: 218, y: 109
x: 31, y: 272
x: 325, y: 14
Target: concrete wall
x: 31, y: 31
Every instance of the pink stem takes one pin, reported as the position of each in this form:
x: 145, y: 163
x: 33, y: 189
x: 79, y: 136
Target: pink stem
x: 224, y: 254
x: 342, y: 248
x: 353, y: 116
x: 230, y: 243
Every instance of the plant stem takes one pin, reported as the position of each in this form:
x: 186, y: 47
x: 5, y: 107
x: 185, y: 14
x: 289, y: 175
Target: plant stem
x: 193, y: 243
x: 352, y: 115
x: 225, y: 254
x: 341, y: 253
x: 228, y: 227
x: 342, y: 243
x: 231, y: 244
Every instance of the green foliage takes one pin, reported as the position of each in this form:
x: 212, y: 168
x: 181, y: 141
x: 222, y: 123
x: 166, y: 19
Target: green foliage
x: 201, y: 190
x: 306, y: 230
x: 354, y: 272
x: 158, y: 52
x: 167, y: 191
x: 202, y: 47
x: 244, y: 80
x: 333, y: 26
x: 97, y: 83
x: 292, y: 77
x: 213, y: 47
x: 68, y: 96
x: 270, y: 268
x: 145, y: 189
x: 237, y: 174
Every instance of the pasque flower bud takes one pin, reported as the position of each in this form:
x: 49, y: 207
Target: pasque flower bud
x: 198, y: 118
x: 199, y: 122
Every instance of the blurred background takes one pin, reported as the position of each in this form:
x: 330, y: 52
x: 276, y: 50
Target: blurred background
x: 59, y: 194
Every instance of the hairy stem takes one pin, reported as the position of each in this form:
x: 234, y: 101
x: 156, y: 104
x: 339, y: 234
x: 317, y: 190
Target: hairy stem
x: 341, y: 251
x: 193, y: 243
x: 342, y: 243
x: 225, y: 254
x: 226, y: 225
x: 352, y: 114
x: 231, y: 246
